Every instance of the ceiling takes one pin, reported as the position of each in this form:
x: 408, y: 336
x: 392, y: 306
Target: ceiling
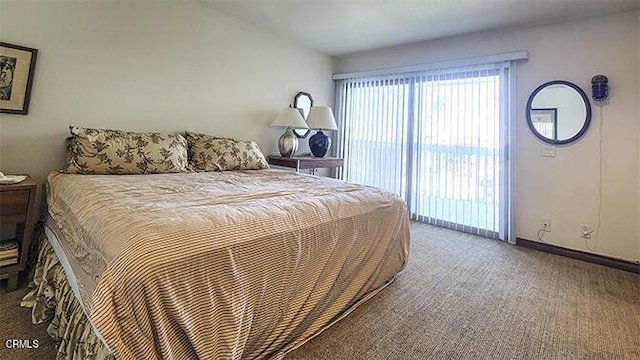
x: 340, y: 27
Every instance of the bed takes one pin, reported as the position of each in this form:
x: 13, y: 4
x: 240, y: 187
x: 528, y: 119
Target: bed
x: 225, y: 264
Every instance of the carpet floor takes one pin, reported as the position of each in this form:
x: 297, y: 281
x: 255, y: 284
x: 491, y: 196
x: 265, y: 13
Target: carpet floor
x: 460, y: 297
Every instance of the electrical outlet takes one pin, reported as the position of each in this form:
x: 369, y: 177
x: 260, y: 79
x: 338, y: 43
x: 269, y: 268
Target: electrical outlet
x: 586, y: 231
x: 545, y: 224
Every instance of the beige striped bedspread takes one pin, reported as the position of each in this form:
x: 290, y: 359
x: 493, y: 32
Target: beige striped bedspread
x: 242, y: 264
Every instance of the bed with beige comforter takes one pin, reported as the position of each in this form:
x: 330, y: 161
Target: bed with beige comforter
x: 236, y: 264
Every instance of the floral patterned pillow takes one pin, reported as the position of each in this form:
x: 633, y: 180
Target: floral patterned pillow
x: 209, y: 153
x: 107, y: 152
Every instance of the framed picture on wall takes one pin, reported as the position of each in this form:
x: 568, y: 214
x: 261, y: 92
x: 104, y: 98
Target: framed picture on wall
x: 17, y: 65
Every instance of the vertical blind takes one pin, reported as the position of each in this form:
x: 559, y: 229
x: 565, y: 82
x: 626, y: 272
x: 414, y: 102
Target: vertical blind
x: 436, y: 138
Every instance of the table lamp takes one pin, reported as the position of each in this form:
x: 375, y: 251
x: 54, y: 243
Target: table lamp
x: 291, y: 119
x: 320, y: 118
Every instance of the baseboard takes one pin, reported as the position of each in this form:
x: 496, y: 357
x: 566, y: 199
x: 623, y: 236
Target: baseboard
x: 581, y: 255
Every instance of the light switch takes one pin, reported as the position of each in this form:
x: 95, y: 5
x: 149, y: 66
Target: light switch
x: 548, y: 151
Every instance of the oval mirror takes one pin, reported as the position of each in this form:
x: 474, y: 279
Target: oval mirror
x: 303, y: 101
x: 558, y: 112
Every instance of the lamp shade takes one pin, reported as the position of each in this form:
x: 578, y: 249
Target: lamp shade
x: 290, y: 117
x: 321, y: 117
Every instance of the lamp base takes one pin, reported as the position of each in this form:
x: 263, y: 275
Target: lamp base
x: 288, y: 143
x: 319, y: 144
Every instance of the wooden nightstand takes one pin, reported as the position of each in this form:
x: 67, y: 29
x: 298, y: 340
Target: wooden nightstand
x: 306, y: 162
x: 17, y: 206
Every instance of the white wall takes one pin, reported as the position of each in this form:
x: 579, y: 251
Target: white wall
x: 564, y: 188
x: 149, y: 66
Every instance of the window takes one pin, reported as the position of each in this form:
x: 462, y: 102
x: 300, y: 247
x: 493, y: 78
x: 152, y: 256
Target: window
x: 436, y: 138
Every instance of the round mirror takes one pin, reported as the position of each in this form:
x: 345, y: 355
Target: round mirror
x: 558, y: 112
x: 303, y: 101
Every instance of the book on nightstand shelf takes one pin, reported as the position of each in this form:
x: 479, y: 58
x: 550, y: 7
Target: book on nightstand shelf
x: 8, y: 253
x: 9, y: 261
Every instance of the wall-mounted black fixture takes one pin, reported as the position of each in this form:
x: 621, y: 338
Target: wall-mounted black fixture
x: 599, y: 88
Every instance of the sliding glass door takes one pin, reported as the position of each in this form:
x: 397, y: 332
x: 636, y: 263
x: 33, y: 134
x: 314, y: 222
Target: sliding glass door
x: 438, y: 139
x: 376, y: 136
